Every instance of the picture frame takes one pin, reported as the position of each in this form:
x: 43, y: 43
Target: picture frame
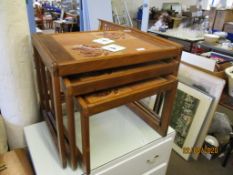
x: 208, y: 83
x: 189, y: 111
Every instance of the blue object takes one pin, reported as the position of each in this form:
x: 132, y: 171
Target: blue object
x: 31, y: 18
x: 81, y: 22
x: 229, y: 35
x: 49, y: 7
x: 139, y: 13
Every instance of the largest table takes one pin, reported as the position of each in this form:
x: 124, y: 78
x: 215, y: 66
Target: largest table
x: 55, y: 58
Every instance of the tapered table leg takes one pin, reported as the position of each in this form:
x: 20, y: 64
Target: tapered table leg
x: 59, y: 119
x: 167, y: 107
x: 85, y: 141
x: 71, y: 129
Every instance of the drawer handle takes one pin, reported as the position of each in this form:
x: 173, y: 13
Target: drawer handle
x: 152, y: 161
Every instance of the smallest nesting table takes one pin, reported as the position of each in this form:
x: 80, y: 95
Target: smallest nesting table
x: 97, y: 102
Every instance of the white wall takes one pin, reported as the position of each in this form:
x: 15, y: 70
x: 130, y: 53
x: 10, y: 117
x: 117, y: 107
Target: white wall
x: 18, y: 102
x: 189, y: 2
x: 158, y: 4
x: 132, y: 6
x: 93, y: 10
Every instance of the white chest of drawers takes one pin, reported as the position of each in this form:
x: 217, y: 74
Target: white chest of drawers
x: 121, y: 144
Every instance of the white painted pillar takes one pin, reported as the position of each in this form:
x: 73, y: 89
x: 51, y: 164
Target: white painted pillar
x: 92, y: 10
x: 18, y: 102
x: 145, y: 15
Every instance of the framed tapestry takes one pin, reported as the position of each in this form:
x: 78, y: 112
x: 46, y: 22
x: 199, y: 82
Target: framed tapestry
x: 211, y: 85
x: 189, y: 111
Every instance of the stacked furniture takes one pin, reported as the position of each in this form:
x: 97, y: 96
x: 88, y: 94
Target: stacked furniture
x: 98, y: 80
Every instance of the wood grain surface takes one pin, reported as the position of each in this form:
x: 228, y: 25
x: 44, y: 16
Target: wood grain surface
x: 57, y: 50
x: 16, y: 163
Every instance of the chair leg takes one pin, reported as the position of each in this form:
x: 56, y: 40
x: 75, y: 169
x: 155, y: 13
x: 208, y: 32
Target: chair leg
x: 59, y: 119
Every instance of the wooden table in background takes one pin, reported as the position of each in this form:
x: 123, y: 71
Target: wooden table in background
x: 215, y: 47
x: 187, y: 42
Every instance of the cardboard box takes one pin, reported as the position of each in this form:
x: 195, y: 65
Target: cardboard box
x: 222, y: 16
x: 228, y: 27
x: 212, y: 15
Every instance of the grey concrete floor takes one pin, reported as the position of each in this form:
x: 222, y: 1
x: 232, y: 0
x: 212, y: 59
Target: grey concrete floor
x: 203, y: 166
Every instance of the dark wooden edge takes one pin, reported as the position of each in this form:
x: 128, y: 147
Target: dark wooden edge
x: 150, y: 119
x: 50, y: 125
x: 104, y: 105
x: 114, y: 80
x: 84, y: 113
x: 95, y: 64
x: 169, y: 99
x: 158, y: 124
x: 49, y: 118
x: 147, y: 35
x: 158, y: 102
x: 45, y: 55
x: 90, y: 64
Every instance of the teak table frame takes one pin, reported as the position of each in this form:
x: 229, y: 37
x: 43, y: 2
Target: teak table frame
x: 97, y: 102
x: 53, y: 62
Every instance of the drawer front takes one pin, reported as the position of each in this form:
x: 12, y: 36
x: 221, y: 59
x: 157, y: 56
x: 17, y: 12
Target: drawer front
x: 142, y: 162
x: 158, y: 170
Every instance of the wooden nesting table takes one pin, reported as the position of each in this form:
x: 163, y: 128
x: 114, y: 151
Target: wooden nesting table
x: 145, y: 58
x: 104, y: 100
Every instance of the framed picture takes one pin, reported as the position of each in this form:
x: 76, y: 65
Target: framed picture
x: 189, y: 111
x: 211, y: 85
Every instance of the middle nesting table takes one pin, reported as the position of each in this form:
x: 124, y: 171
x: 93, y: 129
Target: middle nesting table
x: 127, y: 85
